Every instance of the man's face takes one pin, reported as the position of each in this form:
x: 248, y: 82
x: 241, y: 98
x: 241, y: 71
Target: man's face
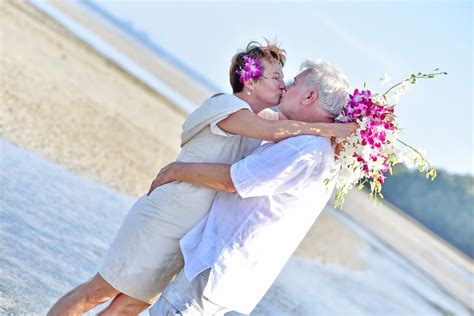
x: 301, y: 102
x: 291, y: 100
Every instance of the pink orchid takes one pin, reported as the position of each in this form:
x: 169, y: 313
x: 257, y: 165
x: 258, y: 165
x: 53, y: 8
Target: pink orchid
x: 252, y: 69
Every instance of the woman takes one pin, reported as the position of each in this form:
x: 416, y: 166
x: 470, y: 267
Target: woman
x: 145, y: 254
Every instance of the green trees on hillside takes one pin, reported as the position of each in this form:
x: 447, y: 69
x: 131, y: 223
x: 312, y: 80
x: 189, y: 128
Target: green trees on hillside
x: 445, y: 205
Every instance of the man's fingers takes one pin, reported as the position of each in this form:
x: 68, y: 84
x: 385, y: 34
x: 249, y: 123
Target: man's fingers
x: 160, y: 179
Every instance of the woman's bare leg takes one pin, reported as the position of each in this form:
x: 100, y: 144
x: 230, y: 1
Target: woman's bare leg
x: 124, y: 305
x: 84, y: 297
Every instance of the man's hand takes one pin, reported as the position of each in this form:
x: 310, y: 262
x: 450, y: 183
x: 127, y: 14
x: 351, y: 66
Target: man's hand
x: 164, y: 176
x: 214, y: 176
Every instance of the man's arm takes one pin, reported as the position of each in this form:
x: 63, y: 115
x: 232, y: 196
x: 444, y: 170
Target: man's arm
x: 274, y: 169
x: 210, y: 175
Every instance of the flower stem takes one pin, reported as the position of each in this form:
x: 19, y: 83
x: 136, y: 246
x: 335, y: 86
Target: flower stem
x: 422, y: 157
x: 418, y: 76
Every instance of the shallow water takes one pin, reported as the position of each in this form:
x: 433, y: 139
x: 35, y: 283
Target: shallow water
x: 55, y: 227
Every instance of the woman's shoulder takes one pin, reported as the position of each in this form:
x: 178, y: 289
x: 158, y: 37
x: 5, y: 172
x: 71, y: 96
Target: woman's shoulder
x: 211, y: 111
x: 226, y: 98
x: 217, y: 94
x: 220, y: 103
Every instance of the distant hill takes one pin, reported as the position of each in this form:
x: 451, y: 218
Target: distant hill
x: 445, y: 205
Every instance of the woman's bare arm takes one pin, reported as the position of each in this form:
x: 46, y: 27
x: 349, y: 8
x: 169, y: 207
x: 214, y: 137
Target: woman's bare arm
x: 246, y: 123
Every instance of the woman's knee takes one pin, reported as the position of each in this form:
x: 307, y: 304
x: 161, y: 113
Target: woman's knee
x: 98, y: 290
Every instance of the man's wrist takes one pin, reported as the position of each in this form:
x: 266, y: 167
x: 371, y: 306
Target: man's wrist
x: 175, y: 170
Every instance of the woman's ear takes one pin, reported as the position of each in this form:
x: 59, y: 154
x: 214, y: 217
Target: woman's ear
x: 310, y: 97
x: 249, y: 84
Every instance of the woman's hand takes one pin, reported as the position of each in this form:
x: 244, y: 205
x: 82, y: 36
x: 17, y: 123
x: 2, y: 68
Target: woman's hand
x: 339, y: 130
x: 339, y: 148
x: 281, y: 117
x: 164, y: 176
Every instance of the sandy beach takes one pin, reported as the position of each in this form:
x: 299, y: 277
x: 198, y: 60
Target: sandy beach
x: 63, y: 100
x: 74, y: 107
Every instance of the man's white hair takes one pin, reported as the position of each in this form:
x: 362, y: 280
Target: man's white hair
x: 331, y: 83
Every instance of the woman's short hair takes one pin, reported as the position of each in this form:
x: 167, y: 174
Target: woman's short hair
x: 331, y: 83
x: 270, y: 52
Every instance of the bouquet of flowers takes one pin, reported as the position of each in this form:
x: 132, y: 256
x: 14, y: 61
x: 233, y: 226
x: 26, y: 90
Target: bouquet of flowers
x: 375, y: 148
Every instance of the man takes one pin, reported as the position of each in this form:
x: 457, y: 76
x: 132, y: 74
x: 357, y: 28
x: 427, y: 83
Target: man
x: 233, y: 256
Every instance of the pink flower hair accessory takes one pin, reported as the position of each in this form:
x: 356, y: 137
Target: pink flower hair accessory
x: 252, y: 69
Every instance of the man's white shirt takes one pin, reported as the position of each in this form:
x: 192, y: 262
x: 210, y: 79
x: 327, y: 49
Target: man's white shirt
x: 247, y: 237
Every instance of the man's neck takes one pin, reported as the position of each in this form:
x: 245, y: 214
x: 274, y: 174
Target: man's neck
x: 310, y: 117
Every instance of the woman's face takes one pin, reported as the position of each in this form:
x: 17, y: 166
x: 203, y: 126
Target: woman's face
x: 268, y: 88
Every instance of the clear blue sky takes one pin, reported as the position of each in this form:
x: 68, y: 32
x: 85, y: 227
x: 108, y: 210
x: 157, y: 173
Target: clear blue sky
x: 364, y: 39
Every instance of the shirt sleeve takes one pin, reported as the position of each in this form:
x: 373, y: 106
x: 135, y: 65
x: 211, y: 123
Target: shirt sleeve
x: 278, y: 168
x: 229, y: 105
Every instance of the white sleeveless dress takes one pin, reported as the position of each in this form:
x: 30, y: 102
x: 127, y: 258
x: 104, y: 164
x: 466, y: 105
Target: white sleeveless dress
x: 145, y: 254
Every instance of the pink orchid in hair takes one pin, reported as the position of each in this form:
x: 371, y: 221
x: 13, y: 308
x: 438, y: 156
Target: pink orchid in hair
x: 252, y: 69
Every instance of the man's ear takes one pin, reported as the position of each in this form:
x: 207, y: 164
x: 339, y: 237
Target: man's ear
x: 310, y: 97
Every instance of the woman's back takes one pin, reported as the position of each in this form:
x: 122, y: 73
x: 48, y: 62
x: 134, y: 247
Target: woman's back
x: 204, y: 141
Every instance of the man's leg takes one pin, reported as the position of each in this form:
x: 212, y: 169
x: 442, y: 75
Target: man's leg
x: 84, y: 297
x: 124, y: 305
x: 163, y: 307
x: 183, y: 297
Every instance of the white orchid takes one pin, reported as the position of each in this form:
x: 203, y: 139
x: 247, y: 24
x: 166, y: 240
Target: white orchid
x: 385, y: 80
x: 372, y: 151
